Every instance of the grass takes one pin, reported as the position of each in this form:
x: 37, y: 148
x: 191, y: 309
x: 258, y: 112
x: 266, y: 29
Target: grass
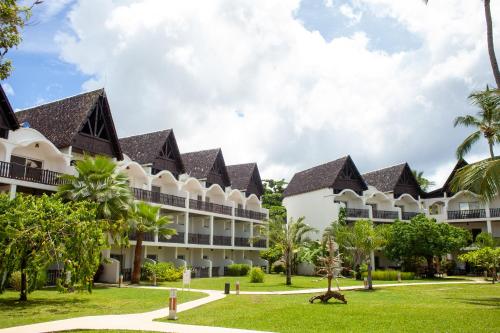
x: 49, y: 304
x: 445, y: 308
x: 276, y: 282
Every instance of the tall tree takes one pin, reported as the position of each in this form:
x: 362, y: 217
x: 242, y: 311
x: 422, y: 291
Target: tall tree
x: 145, y: 218
x: 422, y: 181
x: 482, y: 178
x: 487, y: 258
x: 288, y: 237
x: 486, y: 123
x: 272, y: 198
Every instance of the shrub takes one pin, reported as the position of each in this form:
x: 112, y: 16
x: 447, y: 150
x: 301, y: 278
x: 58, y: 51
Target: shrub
x: 256, y: 275
x: 165, y: 271
x: 238, y: 270
x: 278, y: 267
x: 15, y: 281
x: 390, y: 275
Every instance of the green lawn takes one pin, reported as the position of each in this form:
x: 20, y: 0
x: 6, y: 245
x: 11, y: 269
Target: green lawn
x: 48, y: 304
x: 275, y: 282
x: 445, y: 308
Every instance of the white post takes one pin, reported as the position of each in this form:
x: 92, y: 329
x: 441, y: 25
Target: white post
x: 488, y: 226
x: 232, y: 232
x: 251, y: 234
x: 13, y: 190
x: 172, y: 305
x: 211, y: 230
x: 186, y: 227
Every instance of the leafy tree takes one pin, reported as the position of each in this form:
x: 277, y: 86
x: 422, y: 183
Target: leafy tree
x: 272, y: 254
x: 482, y: 178
x: 98, y: 181
x: 361, y: 240
x: 288, y: 237
x: 145, y: 218
x: 424, y: 238
x: 422, y: 181
x: 485, y: 239
x: 487, y: 258
x: 273, y: 197
x: 13, y: 18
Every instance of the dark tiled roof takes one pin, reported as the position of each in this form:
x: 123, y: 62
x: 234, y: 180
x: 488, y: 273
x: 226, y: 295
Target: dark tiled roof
x: 437, y: 193
x: 7, y: 113
x: 240, y: 175
x: 144, y: 148
x: 199, y: 163
x: 316, y: 178
x: 385, y: 180
x: 61, y: 120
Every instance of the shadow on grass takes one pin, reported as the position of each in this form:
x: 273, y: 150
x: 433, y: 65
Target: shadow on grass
x: 486, y: 301
x: 14, y: 303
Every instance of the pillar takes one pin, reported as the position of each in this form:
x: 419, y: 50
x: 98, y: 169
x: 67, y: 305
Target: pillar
x: 232, y: 232
x: 13, y: 190
x: 488, y: 226
x: 186, y: 227
x: 251, y: 234
x: 211, y: 230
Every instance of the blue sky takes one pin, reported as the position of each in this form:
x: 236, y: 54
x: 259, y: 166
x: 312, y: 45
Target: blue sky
x: 380, y: 80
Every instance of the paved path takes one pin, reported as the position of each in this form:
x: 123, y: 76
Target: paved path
x: 145, y: 321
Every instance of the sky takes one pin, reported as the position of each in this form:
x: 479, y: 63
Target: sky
x: 288, y: 84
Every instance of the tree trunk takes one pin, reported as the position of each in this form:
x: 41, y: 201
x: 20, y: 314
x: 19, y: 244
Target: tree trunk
x: 490, y: 144
x: 24, y: 284
x: 136, y: 274
x: 288, y: 269
x: 370, y: 284
x: 494, y: 275
x: 330, y: 277
x: 430, y: 266
x: 491, y: 47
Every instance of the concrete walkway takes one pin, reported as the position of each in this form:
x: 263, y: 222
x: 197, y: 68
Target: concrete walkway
x: 145, y: 321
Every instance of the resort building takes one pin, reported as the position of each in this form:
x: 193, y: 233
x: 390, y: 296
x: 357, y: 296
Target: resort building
x: 217, y: 223
x: 383, y: 196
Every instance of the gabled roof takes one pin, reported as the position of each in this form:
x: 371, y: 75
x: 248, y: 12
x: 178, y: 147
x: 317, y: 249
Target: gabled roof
x: 60, y: 121
x: 321, y: 176
x: 7, y: 116
x: 386, y: 179
x: 446, y: 186
x: 241, y: 177
x: 198, y: 164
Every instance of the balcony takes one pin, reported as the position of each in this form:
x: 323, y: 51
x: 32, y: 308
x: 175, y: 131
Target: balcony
x: 466, y: 214
x: 147, y: 237
x: 222, y: 240
x: 210, y: 207
x: 179, y: 238
x: 160, y: 198
x: 260, y: 243
x: 385, y: 214
x: 409, y: 215
x: 357, y: 213
x: 199, y: 239
x: 250, y: 214
x: 495, y: 212
x: 34, y: 175
x: 241, y: 241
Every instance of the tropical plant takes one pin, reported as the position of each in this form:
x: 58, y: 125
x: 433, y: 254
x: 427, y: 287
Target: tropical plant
x: 162, y: 271
x: 422, y: 181
x: 145, y: 218
x: 256, y: 275
x: 272, y: 254
x: 272, y: 198
x: 489, y: 39
x: 98, y: 181
x: 487, y: 258
x: 484, y: 239
x: 289, y: 237
x: 486, y: 123
x: 361, y: 240
x: 482, y: 178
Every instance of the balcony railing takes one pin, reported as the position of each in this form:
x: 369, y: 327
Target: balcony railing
x: 35, y: 175
x: 147, y: 237
x: 356, y: 212
x: 385, y: 214
x: 260, y: 243
x: 495, y: 212
x: 160, y: 198
x: 241, y: 241
x: 409, y: 215
x: 466, y: 214
x: 222, y: 240
x: 199, y: 239
x: 179, y: 238
x: 210, y: 207
x: 250, y: 214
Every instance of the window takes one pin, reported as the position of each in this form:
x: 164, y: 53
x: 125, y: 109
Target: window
x: 435, y: 209
x: 205, y: 257
x: 207, y: 199
x: 374, y: 206
x: 167, y: 150
x: 95, y: 125
x: 227, y: 225
x: 200, y: 197
x: 181, y: 257
x: 240, y: 206
x: 28, y: 162
x: 468, y: 205
x: 402, y: 208
x: 152, y: 257
x: 155, y: 189
x: 205, y: 224
x: 246, y: 227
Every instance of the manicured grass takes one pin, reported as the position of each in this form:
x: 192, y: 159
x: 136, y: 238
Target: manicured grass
x: 49, y: 304
x: 275, y: 282
x: 445, y: 308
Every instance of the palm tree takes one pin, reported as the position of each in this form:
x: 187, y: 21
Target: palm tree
x: 489, y: 38
x: 421, y: 180
x: 145, y: 218
x: 487, y: 121
x: 288, y: 237
x: 98, y: 181
x: 361, y: 240
x: 482, y: 178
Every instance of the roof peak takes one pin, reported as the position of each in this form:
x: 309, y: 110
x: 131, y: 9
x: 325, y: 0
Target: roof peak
x: 142, y: 134
x: 388, y: 167
x: 323, y: 164
x: 61, y: 99
x: 202, y: 151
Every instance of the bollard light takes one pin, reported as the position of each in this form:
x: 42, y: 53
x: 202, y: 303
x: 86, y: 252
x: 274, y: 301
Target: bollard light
x: 154, y: 279
x: 399, y: 277
x: 365, y: 282
x: 237, y: 287
x: 172, y: 305
x: 227, y: 287
x: 120, y: 280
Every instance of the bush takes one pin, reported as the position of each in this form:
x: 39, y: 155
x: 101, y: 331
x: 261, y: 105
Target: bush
x: 256, y: 275
x: 390, y: 275
x: 165, y: 271
x: 238, y: 270
x: 278, y: 267
x: 15, y: 281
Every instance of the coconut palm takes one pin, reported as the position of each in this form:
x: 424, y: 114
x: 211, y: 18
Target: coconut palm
x: 145, y: 218
x: 98, y: 181
x: 482, y: 178
x: 487, y: 121
x: 288, y: 237
x: 422, y: 181
x: 489, y: 38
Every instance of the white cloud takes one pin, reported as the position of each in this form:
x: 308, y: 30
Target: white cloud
x: 51, y: 8
x: 9, y: 91
x: 348, y: 12
x: 189, y: 65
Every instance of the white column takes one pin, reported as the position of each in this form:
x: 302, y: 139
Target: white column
x: 251, y: 234
x: 211, y: 230
x: 488, y: 218
x: 175, y: 253
x: 488, y: 226
x: 8, y: 152
x: 13, y: 190
x: 145, y: 251
x: 186, y: 227
x: 232, y: 232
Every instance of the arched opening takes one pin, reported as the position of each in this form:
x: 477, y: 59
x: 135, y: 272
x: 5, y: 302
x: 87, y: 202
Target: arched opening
x: 215, y: 194
x: 382, y: 207
x: 165, y: 182
x: 253, y: 203
x: 138, y: 179
x: 238, y: 198
x: 39, y: 154
x: 194, y: 188
x: 408, y: 205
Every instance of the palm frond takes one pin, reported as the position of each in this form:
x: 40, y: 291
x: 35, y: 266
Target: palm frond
x: 467, y: 144
x: 482, y: 178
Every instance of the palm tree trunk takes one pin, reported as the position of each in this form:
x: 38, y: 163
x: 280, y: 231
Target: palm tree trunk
x: 369, y: 278
x: 490, y: 144
x: 136, y: 274
x: 288, y: 268
x: 24, y: 284
x: 330, y: 277
x: 491, y: 47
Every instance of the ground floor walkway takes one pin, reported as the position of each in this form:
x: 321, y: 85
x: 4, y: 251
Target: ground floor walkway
x: 145, y: 321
